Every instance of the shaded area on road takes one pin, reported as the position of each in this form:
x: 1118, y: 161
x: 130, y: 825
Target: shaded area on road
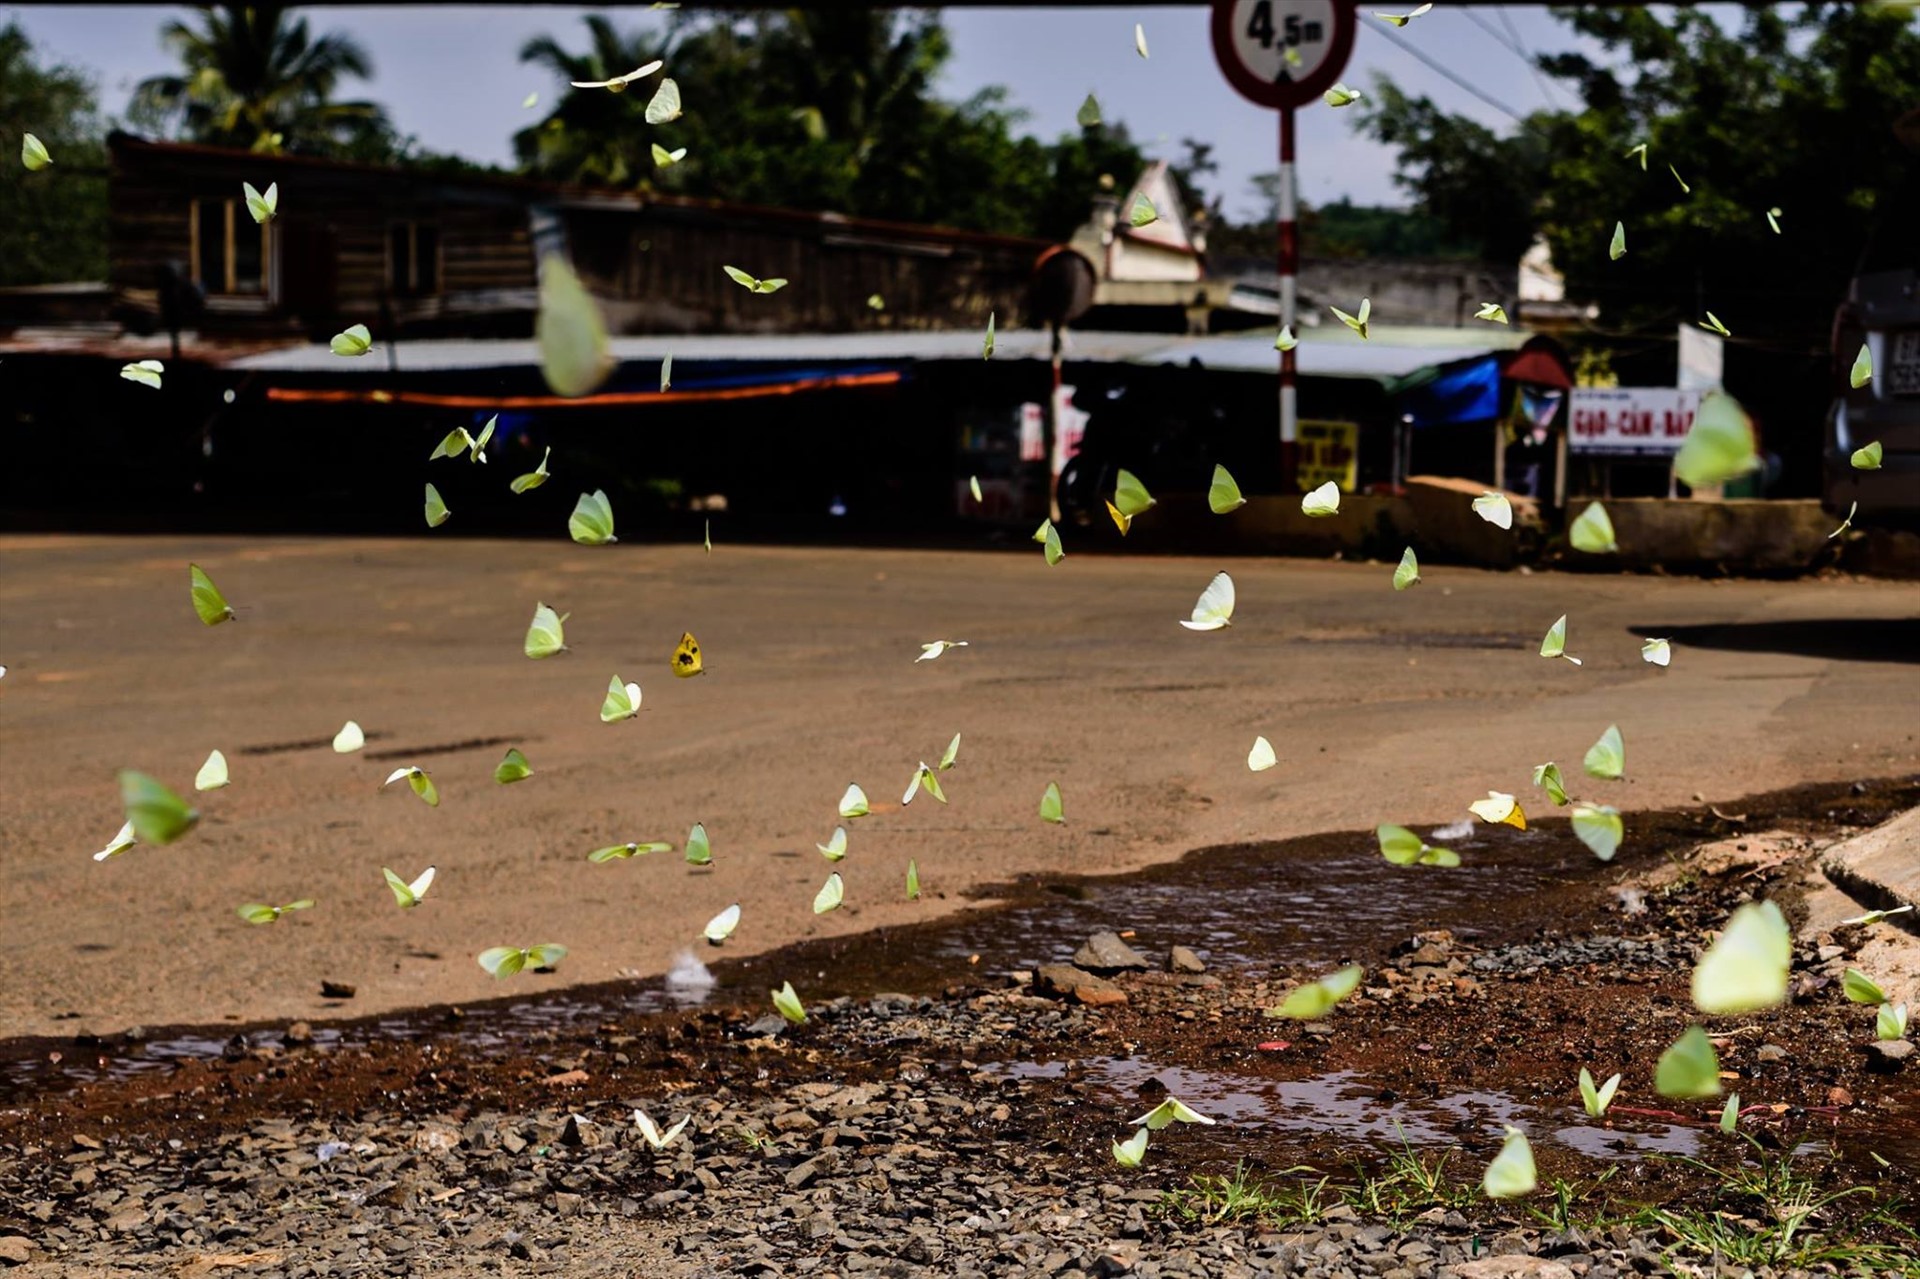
x: 1838, y: 639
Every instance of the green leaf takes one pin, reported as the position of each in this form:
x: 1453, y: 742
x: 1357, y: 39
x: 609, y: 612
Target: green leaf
x: 535, y: 478
x: 1408, y: 573
x: 574, y: 358
x: 1617, y: 246
x: 788, y: 1003
x: 1688, y: 1070
x: 436, y: 510
x: 1317, y: 998
x: 1052, y: 809
x: 1223, y: 495
x: 1088, y: 115
x: 208, y: 602
x: 664, y: 106
x: 1547, y: 775
x: 1592, y: 531
x: 1745, y: 969
x: 1859, y: 987
x: 546, y: 634
x: 1607, y: 758
x: 262, y: 207
x: 212, y: 774
x: 145, y: 372
x: 830, y: 895
x: 1867, y: 457
x: 1511, y: 1175
x: 591, y: 523
x: 33, y: 152
x: 1599, y: 828
x: 1143, y: 213
x: 699, y: 851
x: 352, y: 340
x: 854, y: 803
x: 157, y: 815
x: 1719, y: 446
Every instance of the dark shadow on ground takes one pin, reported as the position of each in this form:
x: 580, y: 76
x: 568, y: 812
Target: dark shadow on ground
x: 1877, y: 639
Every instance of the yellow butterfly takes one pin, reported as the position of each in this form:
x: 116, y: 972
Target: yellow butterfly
x: 686, y: 657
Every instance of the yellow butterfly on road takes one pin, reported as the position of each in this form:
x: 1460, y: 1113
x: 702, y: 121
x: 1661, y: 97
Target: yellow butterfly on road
x: 686, y: 657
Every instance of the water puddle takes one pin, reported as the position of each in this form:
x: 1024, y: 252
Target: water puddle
x: 1344, y: 1107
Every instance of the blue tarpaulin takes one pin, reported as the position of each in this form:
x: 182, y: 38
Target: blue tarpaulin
x: 1467, y: 392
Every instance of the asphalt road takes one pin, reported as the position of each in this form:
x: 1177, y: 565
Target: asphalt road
x: 1382, y: 707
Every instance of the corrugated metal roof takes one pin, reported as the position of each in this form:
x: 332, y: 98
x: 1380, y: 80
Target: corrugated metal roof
x: 1389, y: 353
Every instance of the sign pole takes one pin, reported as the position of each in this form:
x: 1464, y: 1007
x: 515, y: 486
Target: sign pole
x: 1289, y: 306
x: 1282, y: 55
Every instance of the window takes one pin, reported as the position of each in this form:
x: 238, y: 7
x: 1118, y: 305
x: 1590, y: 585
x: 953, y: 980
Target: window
x: 230, y: 250
x: 413, y: 259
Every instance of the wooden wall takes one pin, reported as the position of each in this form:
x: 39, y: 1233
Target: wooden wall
x: 654, y: 261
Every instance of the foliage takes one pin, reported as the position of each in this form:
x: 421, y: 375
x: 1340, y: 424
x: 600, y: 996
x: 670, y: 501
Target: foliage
x: 52, y: 223
x: 808, y: 109
x: 258, y: 80
x: 1795, y: 112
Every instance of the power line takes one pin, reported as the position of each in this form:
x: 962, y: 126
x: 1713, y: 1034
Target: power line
x: 1533, y: 63
x: 1419, y: 55
x: 1511, y: 43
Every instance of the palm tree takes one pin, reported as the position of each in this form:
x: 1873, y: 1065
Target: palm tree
x: 593, y: 136
x: 855, y: 74
x: 257, y: 79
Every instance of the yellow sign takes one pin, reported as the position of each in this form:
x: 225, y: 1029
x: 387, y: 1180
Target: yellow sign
x: 1329, y: 451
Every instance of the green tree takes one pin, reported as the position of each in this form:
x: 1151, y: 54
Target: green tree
x: 53, y: 224
x: 1794, y: 112
x: 809, y: 110
x: 257, y: 79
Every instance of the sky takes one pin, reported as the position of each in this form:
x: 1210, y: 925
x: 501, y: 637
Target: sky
x: 451, y: 75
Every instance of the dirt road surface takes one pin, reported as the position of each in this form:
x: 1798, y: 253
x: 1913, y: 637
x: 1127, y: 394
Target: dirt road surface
x: 1381, y: 706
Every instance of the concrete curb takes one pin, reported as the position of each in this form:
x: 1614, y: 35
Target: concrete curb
x: 1881, y: 869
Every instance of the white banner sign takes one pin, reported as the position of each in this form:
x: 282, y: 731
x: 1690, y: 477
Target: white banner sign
x: 1630, y: 420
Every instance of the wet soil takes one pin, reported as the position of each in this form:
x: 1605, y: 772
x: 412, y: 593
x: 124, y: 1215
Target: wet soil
x: 1488, y: 988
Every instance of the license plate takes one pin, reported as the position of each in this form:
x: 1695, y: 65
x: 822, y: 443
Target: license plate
x: 1903, y: 372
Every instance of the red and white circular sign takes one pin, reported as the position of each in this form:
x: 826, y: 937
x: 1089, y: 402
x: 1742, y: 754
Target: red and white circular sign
x: 1282, y: 53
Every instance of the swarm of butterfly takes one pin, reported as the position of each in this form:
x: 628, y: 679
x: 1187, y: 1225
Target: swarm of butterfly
x: 1744, y: 970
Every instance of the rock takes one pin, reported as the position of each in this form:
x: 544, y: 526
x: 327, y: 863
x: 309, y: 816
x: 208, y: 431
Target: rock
x: 15, y: 1249
x: 336, y: 990
x: 1068, y: 982
x: 1889, y: 1053
x: 579, y: 1132
x: 1770, y: 1052
x: 298, y: 1033
x: 1513, y: 1266
x: 800, y: 1176
x: 1106, y: 953
x: 1182, y: 960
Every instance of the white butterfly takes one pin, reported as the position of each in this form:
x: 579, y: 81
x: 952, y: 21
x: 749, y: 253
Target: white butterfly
x: 651, y: 1131
x: 1215, y: 606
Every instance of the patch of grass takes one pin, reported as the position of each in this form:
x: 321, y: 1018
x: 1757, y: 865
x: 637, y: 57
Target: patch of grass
x: 1409, y: 1184
x: 1246, y: 1200
x: 1772, y: 1211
